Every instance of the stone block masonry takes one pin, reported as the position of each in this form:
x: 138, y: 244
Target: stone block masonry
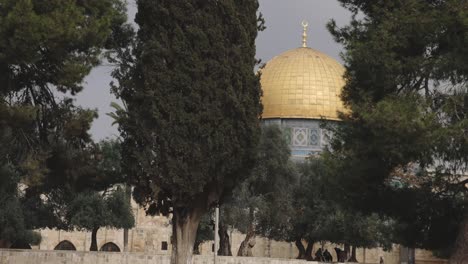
x: 13, y: 256
x: 76, y: 257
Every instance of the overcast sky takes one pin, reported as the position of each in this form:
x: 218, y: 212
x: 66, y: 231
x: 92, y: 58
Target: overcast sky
x: 284, y: 32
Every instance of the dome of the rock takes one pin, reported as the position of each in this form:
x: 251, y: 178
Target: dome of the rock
x: 302, y: 83
x: 301, y: 90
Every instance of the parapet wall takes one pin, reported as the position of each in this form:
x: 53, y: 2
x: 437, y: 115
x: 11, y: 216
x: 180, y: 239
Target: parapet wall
x: 76, y: 257
x: 85, y: 257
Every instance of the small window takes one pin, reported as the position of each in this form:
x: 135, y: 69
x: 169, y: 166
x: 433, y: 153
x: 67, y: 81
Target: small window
x: 212, y: 247
x: 164, y: 245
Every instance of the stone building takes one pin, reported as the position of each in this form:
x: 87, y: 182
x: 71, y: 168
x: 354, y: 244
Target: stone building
x: 301, y: 89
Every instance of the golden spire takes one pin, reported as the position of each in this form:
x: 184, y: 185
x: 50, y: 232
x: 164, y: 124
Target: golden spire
x: 305, y: 24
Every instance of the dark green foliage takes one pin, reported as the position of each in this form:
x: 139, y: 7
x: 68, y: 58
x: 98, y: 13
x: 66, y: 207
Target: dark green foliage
x: 12, y: 226
x: 193, y: 105
x: 317, y: 215
x: 205, y: 231
x: 13, y: 156
x: 262, y: 202
x: 194, y: 100
x: 46, y: 49
x: 402, y: 149
x: 90, y: 194
x: 120, y: 210
x: 90, y: 210
x: 54, y: 43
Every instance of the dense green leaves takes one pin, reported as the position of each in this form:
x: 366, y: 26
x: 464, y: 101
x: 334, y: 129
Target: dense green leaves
x: 205, y: 232
x: 46, y: 50
x: 192, y: 99
x: 53, y: 43
x: 193, y: 103
x: 262, y: 203
x: 90, y: 210
x: 401, y: 150
x: 268, y: 189
x: 319, y: 214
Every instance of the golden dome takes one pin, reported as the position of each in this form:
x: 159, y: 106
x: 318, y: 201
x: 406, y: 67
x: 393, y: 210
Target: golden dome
x: 302, y: 83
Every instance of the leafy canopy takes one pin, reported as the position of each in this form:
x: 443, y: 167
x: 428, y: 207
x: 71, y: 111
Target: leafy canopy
x: 192, y: 99
x: 262, y: 202
x: 402, y: 148
x: 46, y: 49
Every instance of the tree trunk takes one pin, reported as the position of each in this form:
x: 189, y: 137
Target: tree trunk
x: 184, y: 231
x: 346, y: 250
x: 196, y: 248
x: 5, y: 244
x: 300, y: 247
x: 224, y: 243
x: 94, y: 239
x: 460, y: 255
x: 128, y: 197
x: 353, y: 255
x: 245, y: 249
x: 308, y: 252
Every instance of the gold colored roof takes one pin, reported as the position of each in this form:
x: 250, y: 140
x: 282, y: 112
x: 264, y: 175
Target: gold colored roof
x: 302, y: 83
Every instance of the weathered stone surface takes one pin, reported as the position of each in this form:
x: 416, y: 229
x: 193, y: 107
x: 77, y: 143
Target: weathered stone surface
x: 150, y: 232
x: 76, y: 257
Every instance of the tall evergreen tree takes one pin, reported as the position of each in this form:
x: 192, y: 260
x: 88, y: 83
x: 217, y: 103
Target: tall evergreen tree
x: 402, y: 148
x: 46, y: 50
x: 193, y: 107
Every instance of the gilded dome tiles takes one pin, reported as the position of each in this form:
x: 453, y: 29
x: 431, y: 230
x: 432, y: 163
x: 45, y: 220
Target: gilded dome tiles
x: 302, y: 83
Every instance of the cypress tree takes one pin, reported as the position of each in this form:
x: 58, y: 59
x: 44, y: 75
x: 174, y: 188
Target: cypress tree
x: 193, y: 102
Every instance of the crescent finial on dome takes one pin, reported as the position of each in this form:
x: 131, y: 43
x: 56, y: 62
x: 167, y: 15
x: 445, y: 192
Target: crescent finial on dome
x: 305, y: 25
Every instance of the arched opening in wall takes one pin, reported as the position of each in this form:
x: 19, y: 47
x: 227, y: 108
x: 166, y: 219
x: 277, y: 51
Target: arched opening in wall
x: 20, y: 245
x: 65, y: 245
x: 110, y: 247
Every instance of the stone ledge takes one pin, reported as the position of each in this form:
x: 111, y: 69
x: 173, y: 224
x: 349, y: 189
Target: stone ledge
x: 16, y: 256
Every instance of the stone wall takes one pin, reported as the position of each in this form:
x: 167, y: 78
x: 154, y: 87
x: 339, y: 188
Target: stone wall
x: 75, y: 257
x: 146, y: 237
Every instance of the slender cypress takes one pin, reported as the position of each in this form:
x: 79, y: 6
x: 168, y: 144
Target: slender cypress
x: 193, y: 101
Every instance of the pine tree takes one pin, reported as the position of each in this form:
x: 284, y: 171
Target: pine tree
x: 402, y: 149
x: 193, y: 107
x: 46, y: 50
